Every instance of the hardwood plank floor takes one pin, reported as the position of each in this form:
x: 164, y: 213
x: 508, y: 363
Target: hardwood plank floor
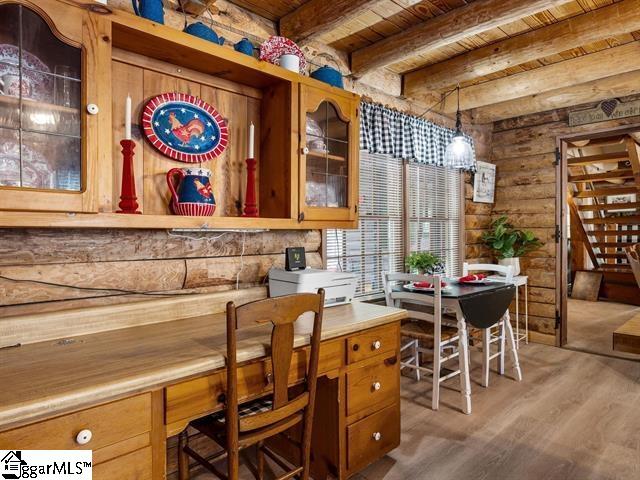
x: 591, y: 326
x: 573, y: 417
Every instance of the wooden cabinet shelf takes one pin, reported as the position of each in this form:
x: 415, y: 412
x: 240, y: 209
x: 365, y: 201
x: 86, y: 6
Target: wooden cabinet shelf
x: 29, y: 104
x: 22, y: 219
x: 325, y: 155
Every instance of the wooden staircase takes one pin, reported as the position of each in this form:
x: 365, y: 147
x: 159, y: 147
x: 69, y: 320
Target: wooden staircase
x: 604, y: 208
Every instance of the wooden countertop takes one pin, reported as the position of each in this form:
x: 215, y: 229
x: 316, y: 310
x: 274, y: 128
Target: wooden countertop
x: 45, y: 379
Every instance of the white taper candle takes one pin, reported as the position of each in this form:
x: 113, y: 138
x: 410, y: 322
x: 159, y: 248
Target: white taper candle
x: 127, y: 119
x: 251, y: 134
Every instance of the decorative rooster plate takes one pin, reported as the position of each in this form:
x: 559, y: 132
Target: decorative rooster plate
x: 184, y: 128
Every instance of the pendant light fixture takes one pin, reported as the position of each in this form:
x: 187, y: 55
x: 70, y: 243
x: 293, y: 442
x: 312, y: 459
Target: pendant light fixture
x: 459, y: 153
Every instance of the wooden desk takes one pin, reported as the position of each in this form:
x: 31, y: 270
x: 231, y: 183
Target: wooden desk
x: 134, y: 387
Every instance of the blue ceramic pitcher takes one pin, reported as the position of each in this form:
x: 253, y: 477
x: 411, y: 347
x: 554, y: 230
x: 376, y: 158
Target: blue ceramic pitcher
x: 191, y: 193
x: 149, y: 9
x: 199, y: 29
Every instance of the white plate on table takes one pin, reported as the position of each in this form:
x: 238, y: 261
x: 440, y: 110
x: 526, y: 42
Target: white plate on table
x: 484, y: 281
x: 412, y: 288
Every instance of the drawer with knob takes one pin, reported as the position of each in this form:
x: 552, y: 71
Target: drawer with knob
x: 93, y: 429
x: 373, y: 385
x: 373, y: 436
x: 368, y: 344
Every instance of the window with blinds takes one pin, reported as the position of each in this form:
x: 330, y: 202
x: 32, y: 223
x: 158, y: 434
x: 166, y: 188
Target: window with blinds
x: 433, y: 205
x: 434, y: 201
x: 377, y: 245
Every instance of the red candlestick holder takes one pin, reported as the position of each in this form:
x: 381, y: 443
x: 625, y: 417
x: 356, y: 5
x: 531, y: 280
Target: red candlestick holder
x: 128, y: 200
x: 250, y: 205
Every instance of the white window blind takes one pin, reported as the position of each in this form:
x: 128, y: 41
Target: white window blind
x: 377, y: 245
x: 434, y: 198
x: 434, y: 206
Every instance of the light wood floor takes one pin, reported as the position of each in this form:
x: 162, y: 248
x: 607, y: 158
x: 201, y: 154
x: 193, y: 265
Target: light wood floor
x: 573, y: 417
x: 591, y: 325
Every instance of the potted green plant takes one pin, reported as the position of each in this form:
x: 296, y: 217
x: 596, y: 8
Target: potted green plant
x: 508, y: 244
x: 424, y: 263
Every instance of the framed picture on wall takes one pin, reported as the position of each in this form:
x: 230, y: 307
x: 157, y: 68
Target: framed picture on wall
x: 484, y: 183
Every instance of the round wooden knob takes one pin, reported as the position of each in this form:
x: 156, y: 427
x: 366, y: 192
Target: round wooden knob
x: 84, y: 437
x: 376, y: 345
x: 377, y: 436
x: 355, y: 347
x: 377, y: 386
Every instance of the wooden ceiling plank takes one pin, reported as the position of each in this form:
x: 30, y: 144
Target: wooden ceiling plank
x: 316, y: 17
x: 622, y: 85
x: 616, y: 19
x: 451, y: 27
x: 595, y: 66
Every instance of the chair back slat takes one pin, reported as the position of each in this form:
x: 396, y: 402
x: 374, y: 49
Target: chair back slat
x: 394, y: 298
x: 277, y: 310
x: 281, y: 353
x: 404, y: 298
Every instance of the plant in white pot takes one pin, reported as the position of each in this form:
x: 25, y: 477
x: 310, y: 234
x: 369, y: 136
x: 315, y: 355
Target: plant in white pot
x: 424, y: 263
x: 509, y: 244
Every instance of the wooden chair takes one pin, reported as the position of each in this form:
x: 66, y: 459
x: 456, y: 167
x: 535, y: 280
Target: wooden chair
x: 242, y: 426
x: 501, y: 332
x: 429, y: 331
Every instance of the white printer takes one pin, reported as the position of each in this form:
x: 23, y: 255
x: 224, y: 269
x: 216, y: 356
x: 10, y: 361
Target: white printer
x: 340, y: 287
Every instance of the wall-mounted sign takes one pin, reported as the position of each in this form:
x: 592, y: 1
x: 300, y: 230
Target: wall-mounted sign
x: 484, y: 182
x: 606, y: 110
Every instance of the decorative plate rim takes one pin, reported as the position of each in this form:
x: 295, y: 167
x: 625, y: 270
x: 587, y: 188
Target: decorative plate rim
x: 158, y: 101
x: 278, y: 43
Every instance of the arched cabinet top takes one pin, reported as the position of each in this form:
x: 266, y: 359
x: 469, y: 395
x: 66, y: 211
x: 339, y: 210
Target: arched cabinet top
x: 66, y: 30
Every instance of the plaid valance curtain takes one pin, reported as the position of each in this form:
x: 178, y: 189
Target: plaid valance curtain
x: 387, y: 131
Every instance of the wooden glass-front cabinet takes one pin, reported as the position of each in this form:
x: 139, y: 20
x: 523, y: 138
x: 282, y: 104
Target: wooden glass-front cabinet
x: 62, y: 119
x: 49, y: 136
x: 329, y: 155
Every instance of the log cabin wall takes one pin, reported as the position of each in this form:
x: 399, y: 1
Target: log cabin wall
x: 96, y: 264
x: 477, y: 216
x: 100, y: 262
x: 523, y: 149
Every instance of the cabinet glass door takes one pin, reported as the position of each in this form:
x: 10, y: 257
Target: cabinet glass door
x: 327, y: 158
x: 40, y: 98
